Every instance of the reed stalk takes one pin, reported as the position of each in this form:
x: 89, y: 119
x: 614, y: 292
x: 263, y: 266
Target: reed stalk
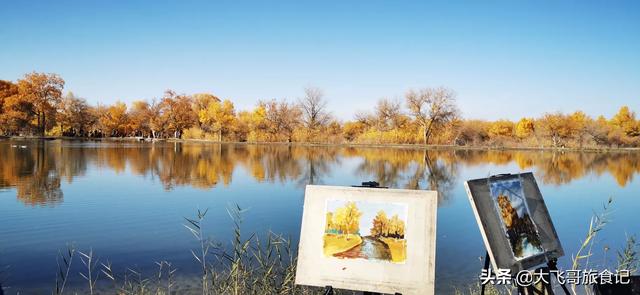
x: 64, y: 261
x: 90, y: 275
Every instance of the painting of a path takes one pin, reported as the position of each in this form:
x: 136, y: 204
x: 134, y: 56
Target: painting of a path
x: 364, y: 230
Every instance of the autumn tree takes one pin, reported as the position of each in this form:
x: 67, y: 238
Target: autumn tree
x: 380, y: 223
x: 502, y: 128
x: 7, y: 88
x: 351, y: 130
x: 17, y: 114
x: 113, y: 120
x: 557, y: 127
x: 625, y: 119
x: 347, y: 218
x: 140, y: 118
x: 388, y: 114
x: 253, y: 124
x: 524, y: 128
x: 177, y: 109
x: 313, y: 107
x: 158, y: 120
x: 599, y: 130
x: 579, y: 123
x: 201, y: 101
x: 218, y: 118
x: 334, y: 131
x: 74, y: 116
x: 472, y: 132
x: 396, y: 227
x: 15, y: 111
x: 432, y: 108
x: 44, y: 91
x: 282, y: 118
x: 383, y: 226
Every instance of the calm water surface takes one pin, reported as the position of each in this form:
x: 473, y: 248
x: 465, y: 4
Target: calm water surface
x: 127, y: 201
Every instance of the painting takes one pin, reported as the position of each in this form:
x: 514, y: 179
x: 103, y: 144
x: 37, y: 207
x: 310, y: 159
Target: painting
x: 368, y: 239
x: 513, y: 219
x: 508, y: 199
x: 365, y: 230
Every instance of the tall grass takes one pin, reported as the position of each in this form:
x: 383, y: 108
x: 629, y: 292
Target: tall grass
x: 255, y: 264
x: 628, y: 258
x: 63, y: 260
x: 252, y: 264
x: 581, y: 260
x: 201, y: 255
x: 597, y: 224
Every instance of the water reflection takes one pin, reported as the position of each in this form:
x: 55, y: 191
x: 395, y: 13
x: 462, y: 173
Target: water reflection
x: 36, y: 168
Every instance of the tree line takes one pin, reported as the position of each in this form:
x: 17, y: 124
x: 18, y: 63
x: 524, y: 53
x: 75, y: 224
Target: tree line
x: 36, y: 105
x: 387, y: 227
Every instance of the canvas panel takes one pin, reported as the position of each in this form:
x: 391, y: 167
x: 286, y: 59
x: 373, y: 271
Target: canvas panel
x: 393, y: 252
x: 514, y: 221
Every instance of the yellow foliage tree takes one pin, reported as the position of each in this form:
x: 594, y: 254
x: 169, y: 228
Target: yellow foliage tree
x: 578, y: 122
x: 114, y: 120
x: 74, y: 116
x: 383, y: 226
x: 379, y: 224
x: 501, y: 128
x: 44, y: 91
x: 625, y: 119
x: 396, y: 227
x: 524, y: 128
x: 139, y: 115
x: 219, y: 118
x: 557, y: 127
x: 178, y: 112
x: 351, y: 130
x: 15, y: 110
x: 347, y: 218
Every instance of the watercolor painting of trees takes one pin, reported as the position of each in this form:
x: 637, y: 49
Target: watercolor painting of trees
x: 365, y: 230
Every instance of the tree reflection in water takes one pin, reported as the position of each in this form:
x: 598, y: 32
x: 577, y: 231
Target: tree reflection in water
x: 35, y: 169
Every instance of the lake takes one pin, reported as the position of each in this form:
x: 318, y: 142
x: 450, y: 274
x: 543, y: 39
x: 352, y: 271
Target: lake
x: 126, y: 200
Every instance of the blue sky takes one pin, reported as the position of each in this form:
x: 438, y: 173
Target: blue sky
x: 504, y: 59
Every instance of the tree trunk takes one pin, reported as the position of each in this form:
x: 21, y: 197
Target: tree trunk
x: 427, y: 133
x: 44, y: 123
x: 424, y: 139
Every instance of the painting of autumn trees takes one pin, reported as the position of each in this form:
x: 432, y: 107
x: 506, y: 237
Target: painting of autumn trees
x: 510, y: 203
x: 39, y: 105
x: 348, y: 234
x: 387, y: 227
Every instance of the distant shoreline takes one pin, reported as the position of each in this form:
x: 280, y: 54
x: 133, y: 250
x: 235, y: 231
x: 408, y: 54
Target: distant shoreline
x: 358, y: 145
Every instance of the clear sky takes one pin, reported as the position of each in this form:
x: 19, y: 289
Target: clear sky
x: 504, y: 59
